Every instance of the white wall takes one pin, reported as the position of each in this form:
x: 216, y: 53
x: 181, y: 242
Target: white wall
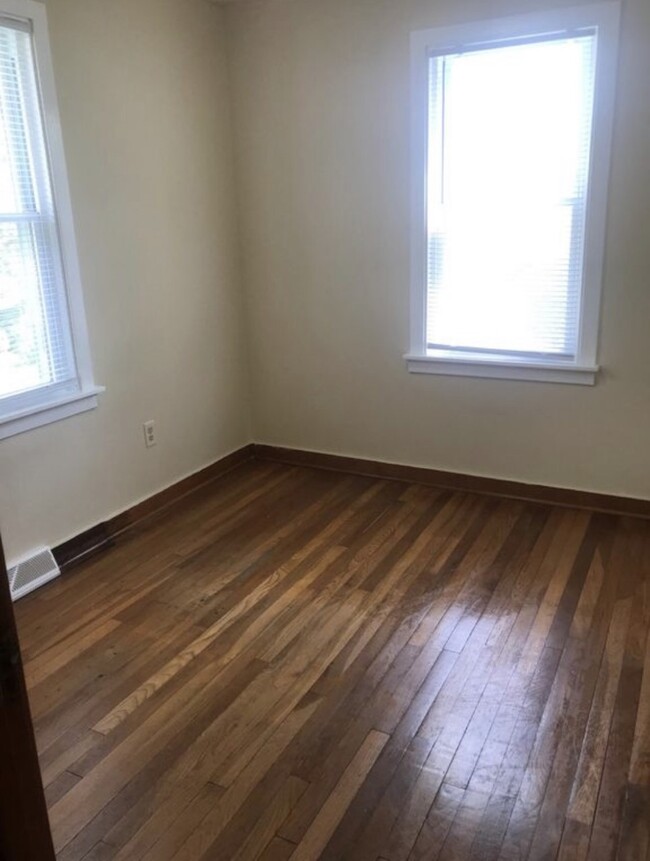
x: 146, y: 120
x: 320, y: 93
x: 321, y: 98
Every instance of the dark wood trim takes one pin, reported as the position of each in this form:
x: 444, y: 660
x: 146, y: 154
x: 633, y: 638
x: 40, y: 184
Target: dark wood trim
x: 82, y: 546
x: 561, y: 496
x: 103, y: 535
x: 170, y: 495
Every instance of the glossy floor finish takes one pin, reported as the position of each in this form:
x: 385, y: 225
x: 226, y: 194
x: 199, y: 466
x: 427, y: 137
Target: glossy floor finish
x: 299, y: 664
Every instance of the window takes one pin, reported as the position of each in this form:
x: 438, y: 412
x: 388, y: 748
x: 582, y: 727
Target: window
x: 45, y: 369
x: 512, y: 128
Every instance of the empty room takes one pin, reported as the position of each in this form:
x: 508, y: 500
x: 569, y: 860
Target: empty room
x: 324, y: 430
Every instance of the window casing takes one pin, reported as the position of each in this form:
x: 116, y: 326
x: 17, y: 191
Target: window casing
x: 511, y: 126
x: 45, y: 370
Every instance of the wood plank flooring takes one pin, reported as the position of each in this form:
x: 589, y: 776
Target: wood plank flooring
x: 293, y: 664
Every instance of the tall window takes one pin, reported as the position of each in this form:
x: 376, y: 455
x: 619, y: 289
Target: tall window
x: 513, y: 125
x: 44, y: 366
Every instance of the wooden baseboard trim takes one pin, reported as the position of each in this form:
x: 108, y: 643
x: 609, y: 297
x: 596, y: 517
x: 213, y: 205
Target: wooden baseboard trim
x: 79, y: 548
x: 458, y: 481
x: 103, y: 535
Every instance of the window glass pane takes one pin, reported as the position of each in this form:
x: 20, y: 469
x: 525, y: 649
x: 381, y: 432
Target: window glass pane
x: 35, y: 341
x: 509, y: 141
x: 16, y: 180
x: 24, y: 353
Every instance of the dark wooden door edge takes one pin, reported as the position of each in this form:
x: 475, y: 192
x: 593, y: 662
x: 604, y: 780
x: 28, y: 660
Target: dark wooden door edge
x: 24, y: 826
x: 103, y: 535
x: 564, y: 497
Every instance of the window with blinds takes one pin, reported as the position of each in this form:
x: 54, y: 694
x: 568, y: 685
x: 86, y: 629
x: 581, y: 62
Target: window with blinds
x: 511, y: 163
x: 38, y: 357
x: 509, y: 141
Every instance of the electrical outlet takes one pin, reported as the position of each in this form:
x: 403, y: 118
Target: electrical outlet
x: 149, y: 433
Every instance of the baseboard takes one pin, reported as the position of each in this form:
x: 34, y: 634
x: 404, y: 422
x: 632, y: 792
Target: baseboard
x: 564, y: 497
x: 103, y: 535
x: 79, y: 548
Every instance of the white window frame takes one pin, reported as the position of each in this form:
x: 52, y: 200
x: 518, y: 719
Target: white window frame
x: 52, y: 403
x: 583, y: 370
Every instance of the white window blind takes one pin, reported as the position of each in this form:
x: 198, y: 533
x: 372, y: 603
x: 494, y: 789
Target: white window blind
x: 509, y: 132
x: 36, y: 351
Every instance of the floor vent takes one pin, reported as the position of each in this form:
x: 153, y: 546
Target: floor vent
x: 37, y: 570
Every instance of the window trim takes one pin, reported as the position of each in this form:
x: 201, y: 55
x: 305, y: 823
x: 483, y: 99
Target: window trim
x: 583, y: 370
x: 52, y: 403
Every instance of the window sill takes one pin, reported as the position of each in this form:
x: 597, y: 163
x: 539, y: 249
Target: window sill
x: 470, y: 366
x: 61, y: 408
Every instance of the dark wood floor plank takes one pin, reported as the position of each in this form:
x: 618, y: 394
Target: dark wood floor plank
x: 614, y: 784
x: 144, y: 794
x: 331, y: 812
x: 437, y: 824
x: 343, y: 844
x: 458, y: 843
x: 192, y: 840
x: 299, y: 664
x: 278, y: 850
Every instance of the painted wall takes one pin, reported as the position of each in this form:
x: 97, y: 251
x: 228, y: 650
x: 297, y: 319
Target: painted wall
x: 319, y: 92
x: 146, y: 121
x: 321, y: 100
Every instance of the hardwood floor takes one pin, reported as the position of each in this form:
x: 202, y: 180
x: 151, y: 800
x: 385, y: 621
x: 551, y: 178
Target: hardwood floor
x: 299, y: 664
